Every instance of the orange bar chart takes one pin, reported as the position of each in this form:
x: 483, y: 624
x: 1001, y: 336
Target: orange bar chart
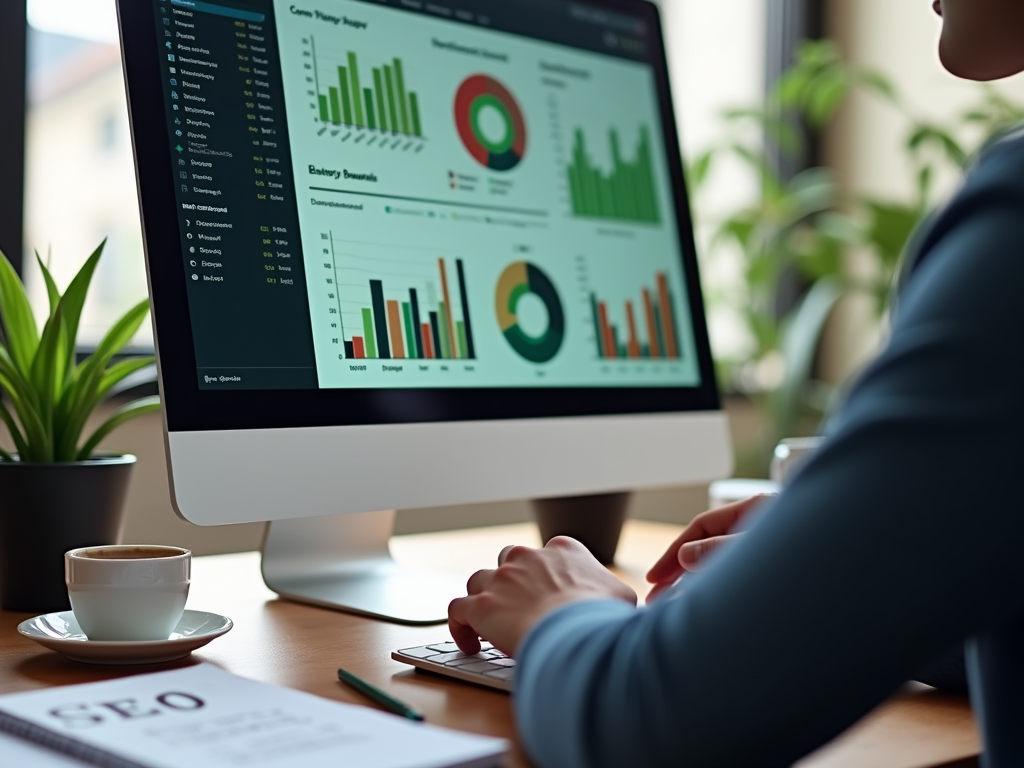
x: 657, y: 321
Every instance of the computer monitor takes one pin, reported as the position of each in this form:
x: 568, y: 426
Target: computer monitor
x: 406, y: 253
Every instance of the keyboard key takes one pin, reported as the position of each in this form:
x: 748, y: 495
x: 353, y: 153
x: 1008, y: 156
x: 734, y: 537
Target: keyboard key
x: 422, y: 652
x: 502, y: 674
x: 504, y: 662
x: 444, y: 647
x: 465, y: 660
x: 481, y: 666
x: 444, y: 658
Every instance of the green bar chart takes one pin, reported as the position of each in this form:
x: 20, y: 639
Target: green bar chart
x: 627, y: 192
x: 379, y: 101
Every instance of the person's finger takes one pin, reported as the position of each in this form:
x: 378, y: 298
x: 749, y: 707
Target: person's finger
x: 459, y: 625
x: 512, y: 552
x: 656, y: 591
x: 715, y: 522
x: 693, y: 553
x: 563, y: 542
x: 478, y: 582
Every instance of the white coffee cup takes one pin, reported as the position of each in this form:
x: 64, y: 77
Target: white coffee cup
x: 128, y: 592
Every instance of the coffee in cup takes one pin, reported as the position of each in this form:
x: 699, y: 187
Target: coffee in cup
x: 128, y: 592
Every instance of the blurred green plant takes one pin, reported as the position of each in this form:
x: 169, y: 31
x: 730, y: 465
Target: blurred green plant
x: 807, y: 226
x: 50, y: 396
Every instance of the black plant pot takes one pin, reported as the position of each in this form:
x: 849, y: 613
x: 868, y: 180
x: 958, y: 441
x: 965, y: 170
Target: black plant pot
x: 594, y: 521
x: 47, y: 509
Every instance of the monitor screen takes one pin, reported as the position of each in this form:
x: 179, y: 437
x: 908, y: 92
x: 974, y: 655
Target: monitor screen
x: 415, y: 195
x: 409, y: 195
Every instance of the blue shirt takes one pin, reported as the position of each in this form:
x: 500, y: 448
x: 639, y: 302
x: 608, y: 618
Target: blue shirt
x: 901, y: 538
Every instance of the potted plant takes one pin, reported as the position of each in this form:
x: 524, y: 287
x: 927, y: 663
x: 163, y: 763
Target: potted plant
x: 56, y: 492
x: 807, y: 237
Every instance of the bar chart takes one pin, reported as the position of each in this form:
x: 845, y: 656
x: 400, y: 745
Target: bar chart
x: 428, y: 322
x: 627, y: 192
x: 382, y: 102
x: 649, y: 328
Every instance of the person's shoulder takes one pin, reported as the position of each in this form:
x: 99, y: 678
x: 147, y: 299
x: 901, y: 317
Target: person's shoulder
x: 993, y: 184
x: 999, y: 167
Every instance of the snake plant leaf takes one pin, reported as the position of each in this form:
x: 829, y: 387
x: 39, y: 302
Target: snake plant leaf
x: 50, y: 366
x: 19, y: 322
x: 19, y: 439
x: 119, y: 417
x: 85, y: 392
x: 26, y: 406
x: 120, y: 371
x: 74, y: 296
x: 52, y: 293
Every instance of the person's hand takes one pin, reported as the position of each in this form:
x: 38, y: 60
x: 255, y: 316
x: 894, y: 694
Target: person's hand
x: 707, y: 532
x: 504, y: 604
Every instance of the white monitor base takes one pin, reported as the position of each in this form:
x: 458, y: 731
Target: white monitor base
x: 343, y: 562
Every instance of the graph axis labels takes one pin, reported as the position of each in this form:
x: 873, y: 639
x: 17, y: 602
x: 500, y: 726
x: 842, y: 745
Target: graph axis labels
x: 474, y: 95
x: 519, y: 279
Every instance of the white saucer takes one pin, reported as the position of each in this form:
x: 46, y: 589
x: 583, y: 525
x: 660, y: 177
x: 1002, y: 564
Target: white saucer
x: 60, y: 632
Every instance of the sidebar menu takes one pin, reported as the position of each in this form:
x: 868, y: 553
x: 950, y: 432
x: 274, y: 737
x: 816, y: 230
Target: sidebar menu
x: 235, y: 195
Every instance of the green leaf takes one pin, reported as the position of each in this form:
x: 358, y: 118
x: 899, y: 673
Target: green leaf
x: 51, y: 287
x: 48, y: 369
x: 26, y: 405
x: 879, y: 84
x: 889, y: 229
x: 120, y: 416
x: 74, y: 296
x: 120, y: 371
x: 801, y: 338
x: 700, y: 169
x: 827, y: 96
x: 19, y: 440
x: 19, y: 322
x: 84, y: 393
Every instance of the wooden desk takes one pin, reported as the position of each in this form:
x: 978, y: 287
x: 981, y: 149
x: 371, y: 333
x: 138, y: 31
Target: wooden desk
x: 301, y: 646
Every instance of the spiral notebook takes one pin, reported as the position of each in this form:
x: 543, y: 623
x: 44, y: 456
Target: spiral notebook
x: 204, y: 717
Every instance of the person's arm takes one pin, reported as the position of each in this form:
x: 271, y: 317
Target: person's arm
x: 892, y: 544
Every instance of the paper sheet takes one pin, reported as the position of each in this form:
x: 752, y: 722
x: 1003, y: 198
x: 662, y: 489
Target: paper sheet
x: 203, y: 717
x: 18, y: 753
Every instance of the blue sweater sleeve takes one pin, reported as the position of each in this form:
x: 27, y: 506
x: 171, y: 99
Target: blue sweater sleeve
x: 897, y: 541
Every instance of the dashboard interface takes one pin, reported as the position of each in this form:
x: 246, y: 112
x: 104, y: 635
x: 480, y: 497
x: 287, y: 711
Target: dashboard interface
x: 382, y: 194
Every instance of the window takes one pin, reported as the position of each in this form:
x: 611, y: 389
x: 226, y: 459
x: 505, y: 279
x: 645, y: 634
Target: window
x: 80, y: 176
x: 716, y: 55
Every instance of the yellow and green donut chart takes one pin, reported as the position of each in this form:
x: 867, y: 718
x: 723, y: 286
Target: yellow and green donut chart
x: 518, y: 280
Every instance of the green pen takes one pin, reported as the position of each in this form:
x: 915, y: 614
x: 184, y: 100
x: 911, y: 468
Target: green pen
x: 390, y: 703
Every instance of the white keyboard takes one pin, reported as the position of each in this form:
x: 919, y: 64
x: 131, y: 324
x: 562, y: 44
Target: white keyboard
x: 490, y: 667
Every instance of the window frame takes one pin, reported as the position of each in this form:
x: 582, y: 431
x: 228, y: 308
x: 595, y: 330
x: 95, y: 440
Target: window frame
x: 14, y: 95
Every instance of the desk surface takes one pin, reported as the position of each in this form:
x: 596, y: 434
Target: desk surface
x: 301, y: 646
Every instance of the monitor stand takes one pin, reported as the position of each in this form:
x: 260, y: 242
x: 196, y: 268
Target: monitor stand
x: 343, y: 562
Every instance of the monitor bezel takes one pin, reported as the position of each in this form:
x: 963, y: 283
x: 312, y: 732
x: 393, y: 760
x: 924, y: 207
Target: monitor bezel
x: 188, y: 408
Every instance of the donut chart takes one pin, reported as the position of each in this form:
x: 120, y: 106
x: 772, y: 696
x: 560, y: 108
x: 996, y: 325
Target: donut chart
x: 516, y: 281
x: 476, y: 94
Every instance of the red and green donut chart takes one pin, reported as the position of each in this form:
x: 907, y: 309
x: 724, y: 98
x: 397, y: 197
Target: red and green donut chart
x: 476, y: 94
